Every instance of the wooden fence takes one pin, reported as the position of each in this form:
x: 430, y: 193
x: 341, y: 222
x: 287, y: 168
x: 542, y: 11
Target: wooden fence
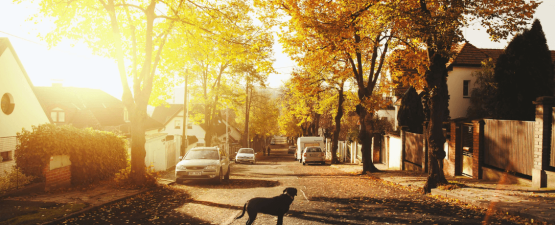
x: 413, y: 148
x: 509, y: 145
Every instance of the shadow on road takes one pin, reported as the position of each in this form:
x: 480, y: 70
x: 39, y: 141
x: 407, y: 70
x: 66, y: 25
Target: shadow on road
x: 232, y: 184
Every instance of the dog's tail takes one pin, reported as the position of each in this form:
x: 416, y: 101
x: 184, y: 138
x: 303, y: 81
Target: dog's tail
x: 244, y: 209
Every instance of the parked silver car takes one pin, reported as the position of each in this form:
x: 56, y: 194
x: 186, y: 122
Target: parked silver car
x: 245, y: 155
x: 313, y: 155
x: 203, y: 163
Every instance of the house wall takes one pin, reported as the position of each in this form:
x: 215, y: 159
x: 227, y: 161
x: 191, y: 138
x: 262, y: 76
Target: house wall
x: 196, y: 130
x: 390, y: 114
x: 27, y: 110
x: 458, y: 104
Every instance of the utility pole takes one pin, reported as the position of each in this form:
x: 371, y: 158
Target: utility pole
x: 184, y: 140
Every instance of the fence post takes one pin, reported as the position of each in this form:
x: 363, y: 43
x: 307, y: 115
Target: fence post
x: 542, y: 140
x: 477, y: 148
x: 454, y: 143
x: 403, y: 137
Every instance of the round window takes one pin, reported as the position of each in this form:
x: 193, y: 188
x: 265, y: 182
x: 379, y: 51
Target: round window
x: 7, y: 103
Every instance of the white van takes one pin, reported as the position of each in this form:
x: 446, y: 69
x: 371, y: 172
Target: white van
x: 304, y: 142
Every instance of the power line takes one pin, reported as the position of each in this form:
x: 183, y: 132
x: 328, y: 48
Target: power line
x: 46, y: 46
x: 22, y: 38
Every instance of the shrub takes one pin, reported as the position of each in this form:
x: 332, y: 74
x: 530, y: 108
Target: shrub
x: 94, y: 155
x: 12, y: 179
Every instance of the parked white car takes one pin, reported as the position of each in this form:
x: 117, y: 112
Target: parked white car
x: 245, y: 155
x: 203, y: 163
x: 313, y: 155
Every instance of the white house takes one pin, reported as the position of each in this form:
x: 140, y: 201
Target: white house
x: 20, y: 107
x: 460, y: 81
x: 172, y: 119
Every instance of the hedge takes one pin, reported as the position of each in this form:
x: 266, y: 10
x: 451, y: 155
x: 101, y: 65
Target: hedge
x: 95, y: 155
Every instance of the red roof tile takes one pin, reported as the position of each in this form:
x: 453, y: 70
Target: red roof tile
x: 468, y: 55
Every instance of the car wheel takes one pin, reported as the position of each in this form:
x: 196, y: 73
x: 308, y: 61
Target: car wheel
x: 178, y: 181
x: 228, y: 173
x: 324, y: 163
x: 219, y: 178
x: 304, y: 163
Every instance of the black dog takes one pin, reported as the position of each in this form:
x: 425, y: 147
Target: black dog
x: 276, y: 206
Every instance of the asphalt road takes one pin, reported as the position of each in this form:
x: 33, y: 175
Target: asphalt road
x: 326, y: 195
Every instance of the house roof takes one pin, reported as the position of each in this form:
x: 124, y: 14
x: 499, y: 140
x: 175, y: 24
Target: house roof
x: 6, y: 44
x: 469, y: 55
x: 97, y: 103
x: 163, y: 114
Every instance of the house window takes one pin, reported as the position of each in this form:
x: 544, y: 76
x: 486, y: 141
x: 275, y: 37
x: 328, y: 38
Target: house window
x: 5, y: 156
x: 178, y: 124
x: 7, y: 103
x: 189, y: 125
x: 125, y: 115
x: 466, y: 84
x: 58, y: 115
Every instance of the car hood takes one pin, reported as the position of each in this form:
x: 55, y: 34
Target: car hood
x: 245, y: 155
x: 198, y: 162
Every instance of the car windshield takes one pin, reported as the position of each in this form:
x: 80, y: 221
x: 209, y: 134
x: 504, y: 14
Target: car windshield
x: 247, y: 150
x: 202, y: 154
x: 313, y: 150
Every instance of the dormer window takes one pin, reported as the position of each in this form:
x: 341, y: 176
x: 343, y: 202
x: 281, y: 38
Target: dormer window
x: 58, y: 115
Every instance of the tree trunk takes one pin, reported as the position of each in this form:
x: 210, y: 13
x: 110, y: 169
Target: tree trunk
x: 138, y: 153
x: 436, y: 80
x: 338, y: 117
x: 365, y: 136
x: 247, y: 110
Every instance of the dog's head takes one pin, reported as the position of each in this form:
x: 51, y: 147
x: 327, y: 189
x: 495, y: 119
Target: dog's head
x: 290, y: 191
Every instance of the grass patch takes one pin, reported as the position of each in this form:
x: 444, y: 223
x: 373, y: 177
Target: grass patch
x: 451, y: 185
x: 35, y: 214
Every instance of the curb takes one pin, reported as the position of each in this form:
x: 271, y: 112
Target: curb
x: 74, y: 214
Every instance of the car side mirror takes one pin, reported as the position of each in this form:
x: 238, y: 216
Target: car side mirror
x: 180, y: 158
x: 255, y: 153
x: 235, y: 152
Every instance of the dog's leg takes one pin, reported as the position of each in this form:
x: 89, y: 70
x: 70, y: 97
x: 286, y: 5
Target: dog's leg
x: 280, y: 220
x: 252, y: 217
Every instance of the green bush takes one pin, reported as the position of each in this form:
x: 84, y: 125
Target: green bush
x: 12, y: 179
x: 94, y: 155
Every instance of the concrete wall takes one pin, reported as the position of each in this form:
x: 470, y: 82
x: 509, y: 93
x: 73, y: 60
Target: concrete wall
x: 457, y: 103
x: 161, y: 154
x: 394, y: 155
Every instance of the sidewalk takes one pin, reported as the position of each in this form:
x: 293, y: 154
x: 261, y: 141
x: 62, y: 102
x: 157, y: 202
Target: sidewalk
x: 59, y: 204
x: 515, y: 199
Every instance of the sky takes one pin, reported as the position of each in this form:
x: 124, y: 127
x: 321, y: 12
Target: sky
x: 78, y: 67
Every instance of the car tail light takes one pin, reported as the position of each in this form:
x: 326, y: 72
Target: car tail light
x: 304, y: 154
x: 323, y: 154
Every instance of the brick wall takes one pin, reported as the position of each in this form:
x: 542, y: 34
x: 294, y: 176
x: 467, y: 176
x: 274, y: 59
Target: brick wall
x: 477, y: 154
x: 57, y: 178
x: 449, y: 162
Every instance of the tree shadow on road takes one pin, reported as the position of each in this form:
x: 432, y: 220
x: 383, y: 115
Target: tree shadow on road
x: 232, y: 184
